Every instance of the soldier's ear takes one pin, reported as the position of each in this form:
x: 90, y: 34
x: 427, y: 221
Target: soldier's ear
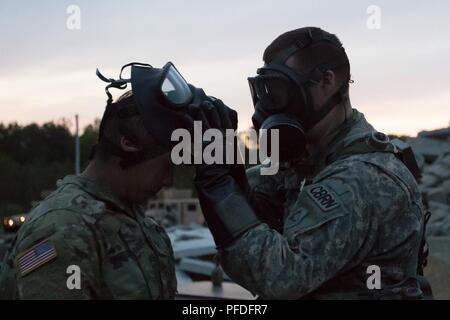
x: 328, y: 78
x: 129, y: 145
x: 328, y: 83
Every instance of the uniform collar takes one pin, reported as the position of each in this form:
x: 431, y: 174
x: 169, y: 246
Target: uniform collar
x: 356, y: 128
x: 353, y: 129
x: 99, y: 192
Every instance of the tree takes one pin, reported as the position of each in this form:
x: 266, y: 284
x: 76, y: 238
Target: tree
x: 32, y: 159
x: 87, y: 140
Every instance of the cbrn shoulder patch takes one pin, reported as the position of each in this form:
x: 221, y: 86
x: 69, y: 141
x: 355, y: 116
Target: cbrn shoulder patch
x: 323, y: 197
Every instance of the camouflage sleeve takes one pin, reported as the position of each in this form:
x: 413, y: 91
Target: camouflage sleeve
x: 265, y: 197
x: 49, y: 256
x: 325, y: 232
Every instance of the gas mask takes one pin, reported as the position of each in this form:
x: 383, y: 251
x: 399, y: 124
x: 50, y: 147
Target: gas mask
x: 161, y: 97
x: 282, y: 100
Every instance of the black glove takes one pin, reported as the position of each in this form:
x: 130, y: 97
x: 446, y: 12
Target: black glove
x: 221, y: 187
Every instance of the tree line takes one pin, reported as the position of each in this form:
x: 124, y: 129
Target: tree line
x: 33, y: 157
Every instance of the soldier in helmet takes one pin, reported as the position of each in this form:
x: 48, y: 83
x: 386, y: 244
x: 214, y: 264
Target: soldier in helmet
x: 93, y: 225
x: 342, y: 206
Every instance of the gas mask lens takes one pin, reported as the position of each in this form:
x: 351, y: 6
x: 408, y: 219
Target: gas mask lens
x: 174, y: 88
x: 271, y: 90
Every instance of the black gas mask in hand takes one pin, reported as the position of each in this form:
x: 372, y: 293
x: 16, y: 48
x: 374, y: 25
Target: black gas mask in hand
x: 162, y: 97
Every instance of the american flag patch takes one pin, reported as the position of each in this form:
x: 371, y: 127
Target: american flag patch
x: 36, y: 257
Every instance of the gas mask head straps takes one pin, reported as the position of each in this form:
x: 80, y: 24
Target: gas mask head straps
x: 310, y: 37
x: 282, y: 100
x: 150, y: 148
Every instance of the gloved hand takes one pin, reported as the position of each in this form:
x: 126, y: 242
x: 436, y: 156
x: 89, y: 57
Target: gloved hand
x: 222, y: 187
x: 214, y: 114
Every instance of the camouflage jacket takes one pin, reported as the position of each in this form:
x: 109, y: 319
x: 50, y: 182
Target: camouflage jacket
x: 355, y: 211
x: 121, y: 254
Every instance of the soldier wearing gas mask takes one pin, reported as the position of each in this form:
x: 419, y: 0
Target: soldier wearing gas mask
x: 343, y: 218
x: 90, y: 239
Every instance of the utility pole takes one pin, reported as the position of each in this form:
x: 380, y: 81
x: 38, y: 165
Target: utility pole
x: 77, y: 147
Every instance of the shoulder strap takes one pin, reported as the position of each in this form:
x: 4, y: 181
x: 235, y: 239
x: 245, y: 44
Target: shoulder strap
x: 368, y: 143
x: 378, y: 142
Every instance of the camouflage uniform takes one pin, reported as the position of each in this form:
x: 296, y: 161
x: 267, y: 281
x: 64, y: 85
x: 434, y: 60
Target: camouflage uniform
x: 121, y: 253
x: 355, y: 211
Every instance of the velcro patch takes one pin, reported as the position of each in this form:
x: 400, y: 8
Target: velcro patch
x: 36, y: 257
x: 323, y: 197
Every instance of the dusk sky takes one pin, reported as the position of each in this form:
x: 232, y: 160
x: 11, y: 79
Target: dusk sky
x: 401, y: 69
